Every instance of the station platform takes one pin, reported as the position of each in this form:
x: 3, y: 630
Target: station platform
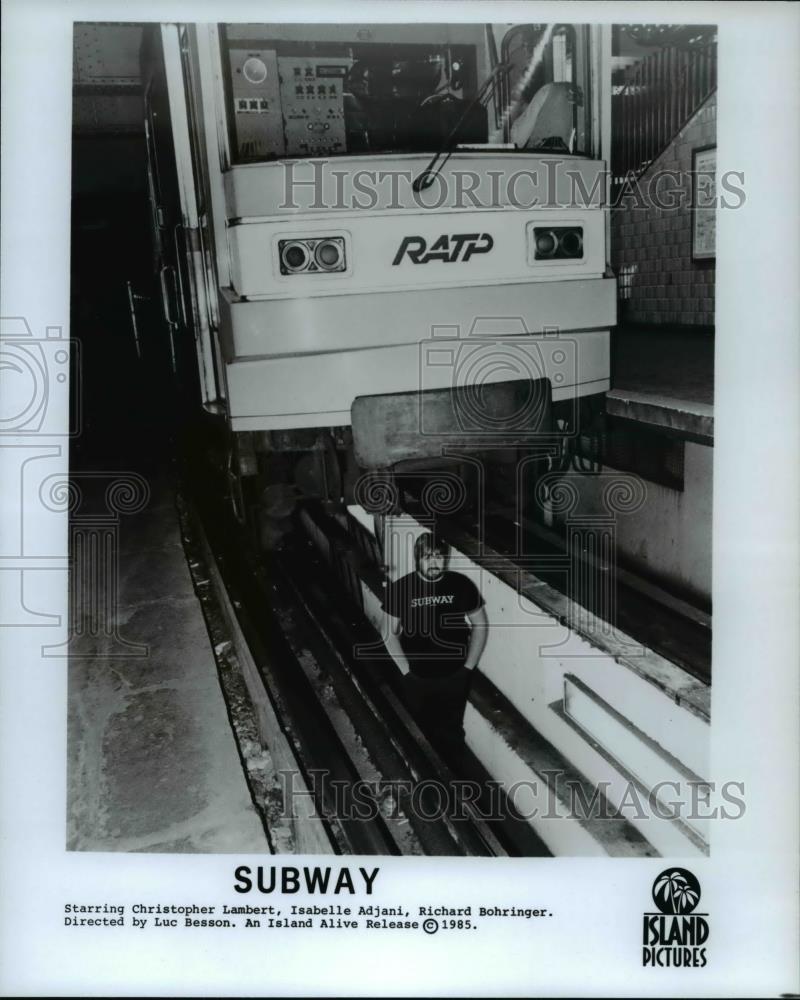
x: 152, y: 761
x: 664, y: 377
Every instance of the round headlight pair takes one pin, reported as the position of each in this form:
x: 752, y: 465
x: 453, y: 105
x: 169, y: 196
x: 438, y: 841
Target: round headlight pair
x: 298, y: 256
x: 563, y: 242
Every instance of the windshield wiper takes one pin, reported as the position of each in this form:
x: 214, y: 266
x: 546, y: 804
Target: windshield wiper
x: 443, y: 153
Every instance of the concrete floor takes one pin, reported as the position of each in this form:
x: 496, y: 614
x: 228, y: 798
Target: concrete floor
x: 152, y: 761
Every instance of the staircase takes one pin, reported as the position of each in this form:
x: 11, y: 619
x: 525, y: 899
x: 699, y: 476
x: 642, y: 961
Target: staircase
x: 653, y: 101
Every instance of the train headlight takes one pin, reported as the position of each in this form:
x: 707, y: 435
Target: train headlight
x: 571, y: 243
x: 295, y: 256
x: 558, y: 243
x: 546, y: 243
x: 329, y: 254
x: 312, y: 256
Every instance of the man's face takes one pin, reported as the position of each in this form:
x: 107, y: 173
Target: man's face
x: 430, y: 565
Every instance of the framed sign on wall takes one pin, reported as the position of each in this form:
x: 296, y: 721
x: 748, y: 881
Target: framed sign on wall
x: 704, y: 213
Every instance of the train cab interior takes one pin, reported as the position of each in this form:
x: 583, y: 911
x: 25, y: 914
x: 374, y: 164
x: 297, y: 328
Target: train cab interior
x: 339, y: 90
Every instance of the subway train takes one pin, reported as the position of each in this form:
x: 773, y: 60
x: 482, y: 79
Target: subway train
x: 383, y: 259
x: 336, y: 211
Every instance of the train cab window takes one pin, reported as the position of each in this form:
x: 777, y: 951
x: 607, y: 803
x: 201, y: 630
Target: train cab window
x: 327, y: 90
x: 546, y: 102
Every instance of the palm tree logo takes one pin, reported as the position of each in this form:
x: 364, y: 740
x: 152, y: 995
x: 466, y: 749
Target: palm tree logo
x: 676, y: 891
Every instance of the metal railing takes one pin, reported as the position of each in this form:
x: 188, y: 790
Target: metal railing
x: 658, y: 96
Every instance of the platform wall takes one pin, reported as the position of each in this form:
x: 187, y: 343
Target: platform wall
x: 651, y: 247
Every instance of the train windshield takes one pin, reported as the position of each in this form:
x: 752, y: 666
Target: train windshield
x: 327, y: 90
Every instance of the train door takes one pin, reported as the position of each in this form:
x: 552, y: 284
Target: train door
x: 193, y: 235
x: 160, y: 216
x: 169, y: 237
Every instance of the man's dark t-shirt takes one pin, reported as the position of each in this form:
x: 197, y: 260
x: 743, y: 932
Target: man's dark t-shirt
x: 434, y: 632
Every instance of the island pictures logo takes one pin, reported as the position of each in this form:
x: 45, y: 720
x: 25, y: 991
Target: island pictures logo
x: 674, y: 937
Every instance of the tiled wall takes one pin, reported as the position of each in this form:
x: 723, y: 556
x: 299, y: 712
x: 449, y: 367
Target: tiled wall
x: 651, y: 248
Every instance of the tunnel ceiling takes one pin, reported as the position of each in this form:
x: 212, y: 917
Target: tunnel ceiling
x: 106, y: 82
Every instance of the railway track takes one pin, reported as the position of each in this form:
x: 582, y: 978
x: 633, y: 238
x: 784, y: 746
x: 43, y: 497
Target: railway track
x: 350, y: 772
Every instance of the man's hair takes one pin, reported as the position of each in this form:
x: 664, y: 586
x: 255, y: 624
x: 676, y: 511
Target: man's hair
x: 426, y: 543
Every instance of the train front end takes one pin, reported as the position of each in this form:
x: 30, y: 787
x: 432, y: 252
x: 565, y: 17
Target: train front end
x: 407, y: 210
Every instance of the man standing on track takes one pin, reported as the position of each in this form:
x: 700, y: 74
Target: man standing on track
x: 440, y: 619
